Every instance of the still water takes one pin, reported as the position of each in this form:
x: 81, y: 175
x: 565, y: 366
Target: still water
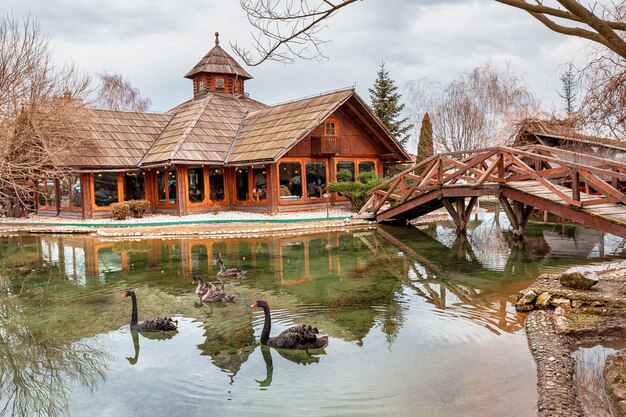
x: 420, y: 323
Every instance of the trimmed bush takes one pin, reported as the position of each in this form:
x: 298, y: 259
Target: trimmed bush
x: 120, y: 211
x: 356, y: 192
x: 138, y: 207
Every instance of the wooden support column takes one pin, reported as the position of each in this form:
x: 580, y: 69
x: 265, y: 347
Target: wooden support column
x: 272, y: 188
x: 518, y: 215
x: 461, y: 213
x: 86, y: 194
x: 575, y: 185
x: 181, y: 190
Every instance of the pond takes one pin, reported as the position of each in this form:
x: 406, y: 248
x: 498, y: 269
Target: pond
x: 420, y: 322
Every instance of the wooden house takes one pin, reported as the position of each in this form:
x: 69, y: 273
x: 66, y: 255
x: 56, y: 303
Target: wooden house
x: 220, y: 149
x: 561, y: 134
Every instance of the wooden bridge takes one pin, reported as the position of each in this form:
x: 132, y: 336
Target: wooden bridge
x: 575, y: 186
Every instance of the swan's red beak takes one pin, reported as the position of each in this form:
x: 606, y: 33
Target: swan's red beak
x: 253, y: 305
x: 125, y: 294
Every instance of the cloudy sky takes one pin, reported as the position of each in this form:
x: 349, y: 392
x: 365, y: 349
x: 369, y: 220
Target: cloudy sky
x: 153, y: 43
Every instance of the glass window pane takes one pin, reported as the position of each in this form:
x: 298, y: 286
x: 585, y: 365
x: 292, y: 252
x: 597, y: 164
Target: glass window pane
x: 315, y: 179
x: 366, y: 167
x: 259, y: 192
x: 42, y: 193
x: 345, y: 166
x: 65, y: 192
x: 290, y: 178
x: 196, y: 184
x: 77, y: 197
x: 171, y: 181
x: 134, y: 186
x: 161, y: 190
x: 241, y: 181
x: 216, y: 184
x: 105, y: 186
x: 51, y: 194
x: 330, y: 129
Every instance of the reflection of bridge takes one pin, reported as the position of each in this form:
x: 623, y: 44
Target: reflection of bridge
x: 579, y: 187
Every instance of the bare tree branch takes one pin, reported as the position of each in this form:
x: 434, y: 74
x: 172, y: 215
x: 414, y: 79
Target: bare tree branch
x: 285, y: 30
x: 285, y: 24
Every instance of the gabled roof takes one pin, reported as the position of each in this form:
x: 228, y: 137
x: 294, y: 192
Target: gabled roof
x: 200, y: 130
x: 266, y: 135
x: 218, y: 61
x: 117, y: 139
x: 561, y: 131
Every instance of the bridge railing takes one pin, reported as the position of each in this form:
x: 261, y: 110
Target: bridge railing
x: 599, y: 179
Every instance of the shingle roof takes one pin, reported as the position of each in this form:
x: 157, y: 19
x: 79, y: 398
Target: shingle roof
x: 563, y: 130
x: 269, y: 133
x: 201, y: 130
x: 218, y: 61
x: 115, y: 138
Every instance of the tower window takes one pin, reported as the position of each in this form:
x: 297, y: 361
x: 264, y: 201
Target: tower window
x: 202, y: 86
x: 219, y: 83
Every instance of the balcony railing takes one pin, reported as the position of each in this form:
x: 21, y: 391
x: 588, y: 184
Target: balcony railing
x: 324, y: 145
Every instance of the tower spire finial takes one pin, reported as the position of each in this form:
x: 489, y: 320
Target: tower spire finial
x: 217, y: 39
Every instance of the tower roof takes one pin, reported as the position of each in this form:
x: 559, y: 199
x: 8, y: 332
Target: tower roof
x: 218, y: 61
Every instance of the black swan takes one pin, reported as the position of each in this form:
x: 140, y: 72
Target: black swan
x: 296, y: 337
x: 230, y: 272
x: 202, y: 287
x: 215, y: 294
x: 151, y: 325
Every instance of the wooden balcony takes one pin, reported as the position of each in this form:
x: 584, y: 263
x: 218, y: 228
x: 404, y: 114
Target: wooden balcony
x: 324, y: 145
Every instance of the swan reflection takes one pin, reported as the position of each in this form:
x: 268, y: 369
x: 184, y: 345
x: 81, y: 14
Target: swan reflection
x: 300, y: 357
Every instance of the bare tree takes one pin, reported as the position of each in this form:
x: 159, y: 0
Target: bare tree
x: 38, y: 116
x: 603, y: 105
x: 285, y: 29
x: 116, y: 93
x: 478, y: 109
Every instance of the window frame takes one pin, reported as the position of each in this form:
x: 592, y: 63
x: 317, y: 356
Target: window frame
x: 303, y: 161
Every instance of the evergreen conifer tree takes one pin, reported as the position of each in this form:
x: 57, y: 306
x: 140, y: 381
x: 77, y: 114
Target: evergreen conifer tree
x: 570, y: 84
x: 386, y: 105
x: 425, y: 143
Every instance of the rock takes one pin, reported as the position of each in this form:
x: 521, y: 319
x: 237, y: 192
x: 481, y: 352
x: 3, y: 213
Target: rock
x: 525, y: 303
x: 577, y: 303
x: 543, y: 300
x: 561, y: 302
x: 561, y: 323
x: 578, y: 278
x: 621, y: 407
x: 619, y: 390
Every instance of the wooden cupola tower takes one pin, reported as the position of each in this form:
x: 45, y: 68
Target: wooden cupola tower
x: 218, y: 72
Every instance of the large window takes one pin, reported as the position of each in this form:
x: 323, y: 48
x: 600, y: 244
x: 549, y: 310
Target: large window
x: 241, y: 183
x: 65, y: 193
x: 166, y: 184
x: 134, y: 186
x: 77, y: 196
x: 290, y: 179
x: 345, y: 166
x: 46, y: 193
x: 367, y: 166
x: 195, y: 185
x: 216, y: 184
x: 105, y: 188
x: 315, y: 179
x: 259, y: 182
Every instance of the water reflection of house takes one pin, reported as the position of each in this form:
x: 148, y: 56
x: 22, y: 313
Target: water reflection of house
x: 293, y: 259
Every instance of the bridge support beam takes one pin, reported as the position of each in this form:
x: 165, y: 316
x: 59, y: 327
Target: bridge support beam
x: 518, y: 214
x: 459, y: 212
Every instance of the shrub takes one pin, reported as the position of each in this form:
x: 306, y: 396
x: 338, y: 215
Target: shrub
x: 344, y: 175
x: 356, y: 192
x: 138, y: 207
x: 120, y: 211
